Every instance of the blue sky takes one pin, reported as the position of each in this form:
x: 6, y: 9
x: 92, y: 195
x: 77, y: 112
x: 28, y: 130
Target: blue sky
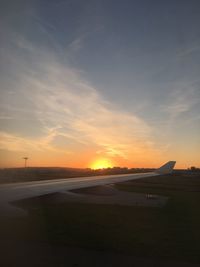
x: 82, y: 80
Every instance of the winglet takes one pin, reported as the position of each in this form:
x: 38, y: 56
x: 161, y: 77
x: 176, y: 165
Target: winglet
x: 166, y: 168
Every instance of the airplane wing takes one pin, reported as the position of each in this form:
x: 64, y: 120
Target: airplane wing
x: 17, y: 191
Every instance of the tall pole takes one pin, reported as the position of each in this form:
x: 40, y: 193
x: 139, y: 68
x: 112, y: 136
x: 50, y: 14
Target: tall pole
x: 25, y: 161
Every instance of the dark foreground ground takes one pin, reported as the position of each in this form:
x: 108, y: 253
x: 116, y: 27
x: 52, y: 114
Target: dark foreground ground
x: 85, y: 234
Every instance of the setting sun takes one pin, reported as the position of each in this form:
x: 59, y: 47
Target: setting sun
x: 101, y: 164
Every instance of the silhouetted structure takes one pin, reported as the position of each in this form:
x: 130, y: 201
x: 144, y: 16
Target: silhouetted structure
x: 25, y: 161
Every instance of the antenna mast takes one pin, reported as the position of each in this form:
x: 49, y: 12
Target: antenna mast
x: 25, y: 161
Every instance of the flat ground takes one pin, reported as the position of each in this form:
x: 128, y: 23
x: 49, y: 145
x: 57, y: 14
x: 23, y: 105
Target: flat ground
x: 83, y: 234
x: 106, y: 195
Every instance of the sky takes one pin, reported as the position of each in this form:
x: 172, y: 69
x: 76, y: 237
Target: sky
x: 99, y: 80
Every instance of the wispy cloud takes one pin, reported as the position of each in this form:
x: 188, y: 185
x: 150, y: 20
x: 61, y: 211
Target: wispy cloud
x: 76, y: 44
x: 190, y: 50
x: 181, y: 101
x: 68, y: 106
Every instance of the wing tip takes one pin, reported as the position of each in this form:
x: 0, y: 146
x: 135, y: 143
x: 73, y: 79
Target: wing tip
x: 166, y: 168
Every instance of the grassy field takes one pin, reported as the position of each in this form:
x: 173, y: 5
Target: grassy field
x: 171, y: 232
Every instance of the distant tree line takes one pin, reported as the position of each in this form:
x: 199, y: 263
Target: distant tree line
x: 194, y: 169
x: 10, y: 175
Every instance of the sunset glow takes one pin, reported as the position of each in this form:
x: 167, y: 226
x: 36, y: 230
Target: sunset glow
x: 101, y: 164
x: 135, y: 102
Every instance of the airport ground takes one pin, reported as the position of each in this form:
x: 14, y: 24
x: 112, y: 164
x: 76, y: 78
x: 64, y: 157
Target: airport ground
x: 66, y: 233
